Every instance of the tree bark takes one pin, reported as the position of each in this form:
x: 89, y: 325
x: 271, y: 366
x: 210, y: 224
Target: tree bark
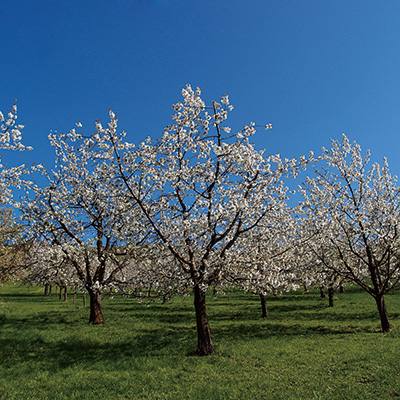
x: 96, y: 311
x: 264, y: 309
x: 65, y: 294
x: 204, y: 343
x: 322, y: 292
x: 84, y: 299
x: 46, y: 289
x: 330, y: 295
x: 385, y: 323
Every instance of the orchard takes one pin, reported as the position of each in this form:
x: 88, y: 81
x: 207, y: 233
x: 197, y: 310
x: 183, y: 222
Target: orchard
x: 195, y: 210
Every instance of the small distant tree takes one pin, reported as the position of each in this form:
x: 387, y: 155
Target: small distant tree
x: 267, y: 266
x: 353, y: 210
x: 50, y: 267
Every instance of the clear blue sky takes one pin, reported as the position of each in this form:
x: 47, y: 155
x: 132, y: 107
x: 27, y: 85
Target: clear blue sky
x: 314, y: 69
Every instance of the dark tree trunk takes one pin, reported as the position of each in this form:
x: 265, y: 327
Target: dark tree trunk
x: 75, y: 297
x: 46, y: 289
x: 60, y: 294
x: 305, y: 288
x: 322, y: 292
x: 341, y: 287
x: 96, y: 311
x: 84, y: 299
x: 330, y: 295
x: 385, y: 323
x: 65, y: 294
x: 50, y: 288
x: 264, y: 309
x: 204, y: 343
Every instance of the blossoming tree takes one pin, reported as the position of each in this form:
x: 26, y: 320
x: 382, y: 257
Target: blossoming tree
x: 81, y: 214
x: 10, y: 139
x: 269, y: 262
x: 354, y: 211
x: 202, y: 188
x: 12, y: 250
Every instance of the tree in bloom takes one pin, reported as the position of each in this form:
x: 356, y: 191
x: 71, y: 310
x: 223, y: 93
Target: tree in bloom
x: 268, y: 263
x: 10, y: 139
x: 48, y: 266
x: 12, y: 248
x: 80, y: 213
x: 201, y: 188
x: 353, y: 212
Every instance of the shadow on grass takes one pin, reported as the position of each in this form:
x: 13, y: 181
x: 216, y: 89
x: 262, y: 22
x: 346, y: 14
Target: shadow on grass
x: 94, y: 352
x: 104, y: 350
x: 59, y: 339
x: 17, y: 298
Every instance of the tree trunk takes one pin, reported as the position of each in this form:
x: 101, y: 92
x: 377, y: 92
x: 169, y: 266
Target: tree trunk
x: 322, y: 292
x: 60, y: 294
x: 385, y: 323
x: 96, y: 311
x: 341, y: 287
x: 264, y: 309
x: 74, y: 296
x: 84, y: 299
x: 330, y: 295
x: 204, y: 343
x: 65, y: 294
x: 46, y: 289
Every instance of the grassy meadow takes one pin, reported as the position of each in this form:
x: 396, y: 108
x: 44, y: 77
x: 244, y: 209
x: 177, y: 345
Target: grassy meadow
x: 304, y: 350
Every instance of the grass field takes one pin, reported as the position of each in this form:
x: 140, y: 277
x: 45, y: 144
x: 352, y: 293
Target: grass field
x: 304, y: 350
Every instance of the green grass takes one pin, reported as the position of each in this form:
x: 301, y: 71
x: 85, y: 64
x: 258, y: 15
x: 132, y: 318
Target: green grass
x: 305, y: 350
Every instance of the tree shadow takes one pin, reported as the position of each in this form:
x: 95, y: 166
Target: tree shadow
x: 88, y: 352
x: 168, y: 330
x: 24, y: 297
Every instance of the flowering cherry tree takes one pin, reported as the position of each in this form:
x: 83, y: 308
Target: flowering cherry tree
x: 10, y: 139
x: 201, y: 189
x: 12, y: 250
x: 268, y: 263
x: 354, y: 211
x: 81, y: 214
x: 49, y: 267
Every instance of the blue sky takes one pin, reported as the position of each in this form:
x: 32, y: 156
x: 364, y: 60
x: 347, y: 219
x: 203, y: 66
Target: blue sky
x: 314, y: 69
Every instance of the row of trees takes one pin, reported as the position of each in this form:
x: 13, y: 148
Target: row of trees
x: 201, y: 208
